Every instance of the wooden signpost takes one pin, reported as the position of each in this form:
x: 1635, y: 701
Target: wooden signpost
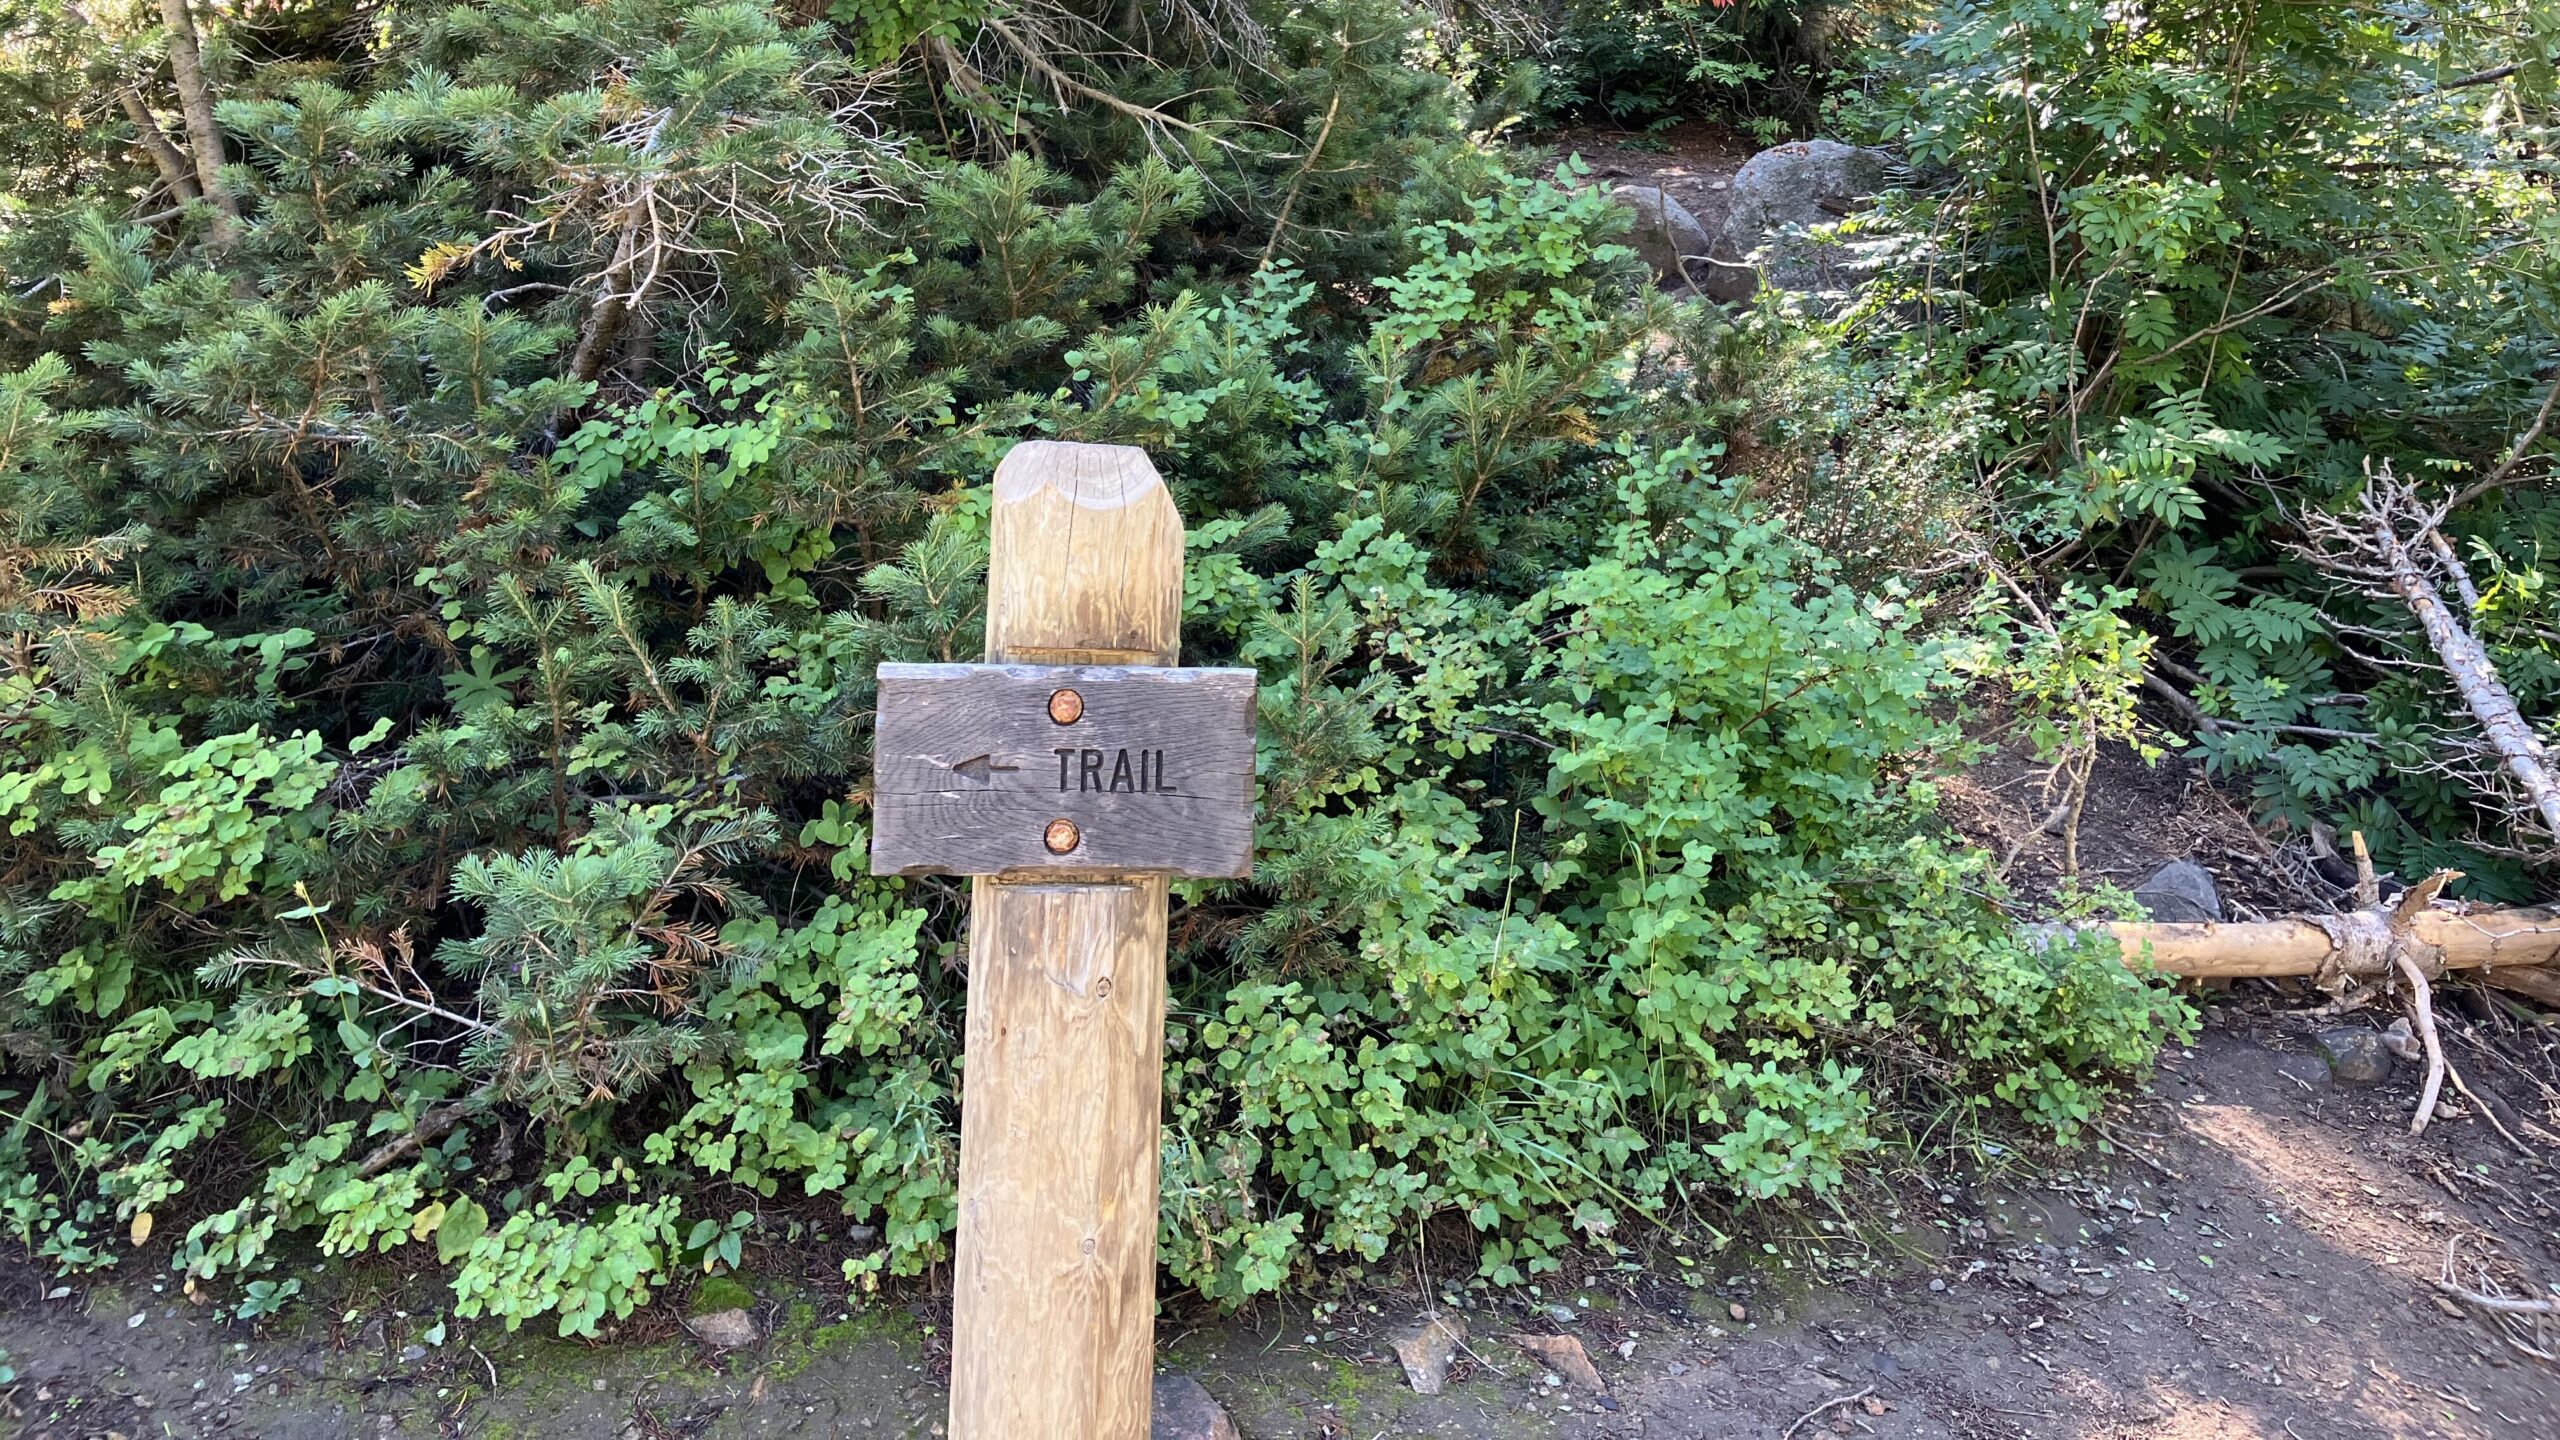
x: 1072, y: 775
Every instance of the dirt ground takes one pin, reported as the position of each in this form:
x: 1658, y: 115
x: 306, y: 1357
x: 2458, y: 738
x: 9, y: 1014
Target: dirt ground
x: 1693, y: 162
x: 2139, y: 816
x: 2258, y: 1261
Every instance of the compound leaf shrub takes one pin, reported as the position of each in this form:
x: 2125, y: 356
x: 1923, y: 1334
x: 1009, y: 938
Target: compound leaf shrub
x: 2192, y: 336
x: 438, y: 692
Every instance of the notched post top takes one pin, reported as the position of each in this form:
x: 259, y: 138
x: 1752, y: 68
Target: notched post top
x: 1086, y: 562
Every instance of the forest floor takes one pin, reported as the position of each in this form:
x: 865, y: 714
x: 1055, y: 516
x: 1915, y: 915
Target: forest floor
x: 2253, y: 1257
x: 2256, y: 1261
x: 1693, y: 162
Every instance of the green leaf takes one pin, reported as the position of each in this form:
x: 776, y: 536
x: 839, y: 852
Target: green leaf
x: 464, y: 1223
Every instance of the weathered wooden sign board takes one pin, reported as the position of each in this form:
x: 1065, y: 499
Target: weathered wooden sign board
x: 1010, y: 769
x: 1073, y: 776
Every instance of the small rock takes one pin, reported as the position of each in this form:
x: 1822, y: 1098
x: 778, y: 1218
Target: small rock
x: 1185, y: 1411
x: 1675, y: 1369
x: 2356, y: 1055
x: 1564, y: 1355
x: 1666, y: 235
x: 2043, y: 1282
x: 2400, y: 1042
x: 409, y: 1355
x: 723, y: 1329
x: 1737, y: 1311
x: 2180, y: 891
x: 1427, y: 1349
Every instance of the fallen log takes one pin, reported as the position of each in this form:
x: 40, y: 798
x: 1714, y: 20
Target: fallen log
x: 2357, y: 944
x: 2411, y: 941
x: 2533, y: 982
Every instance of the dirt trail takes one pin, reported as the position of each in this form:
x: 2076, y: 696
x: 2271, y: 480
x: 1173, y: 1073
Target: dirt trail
x: 1693, y: 162
x: 2262, y: 1270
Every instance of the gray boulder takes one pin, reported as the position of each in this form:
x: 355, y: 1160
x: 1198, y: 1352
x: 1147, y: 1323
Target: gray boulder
x: 1779, y: 193
x: 1666, y: 235
x: 2180, y: 891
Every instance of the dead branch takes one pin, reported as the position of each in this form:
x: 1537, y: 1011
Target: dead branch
x: 2499, y: 1304
x: 964, y: 78
x: 1063, y: 84
x: 2422, y: 1011
x: 2373, y: 548
x: 1288, y: 202
x: 2490, y: 76
x: 431, y: 1127
x: 652, y: 192
x: 2515, y: 453
x: 1808, y: 1416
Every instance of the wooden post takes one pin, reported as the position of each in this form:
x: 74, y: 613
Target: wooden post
x: 1053, y: 1307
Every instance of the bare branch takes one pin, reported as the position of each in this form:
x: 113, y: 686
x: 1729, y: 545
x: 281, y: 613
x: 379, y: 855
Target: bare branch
x: 2506, y: 468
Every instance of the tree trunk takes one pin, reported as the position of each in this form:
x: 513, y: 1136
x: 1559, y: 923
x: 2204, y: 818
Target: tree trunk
x: 195, y: 102
x: 606, y: 316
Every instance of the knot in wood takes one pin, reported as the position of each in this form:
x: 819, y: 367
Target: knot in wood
x: 2359, y: 944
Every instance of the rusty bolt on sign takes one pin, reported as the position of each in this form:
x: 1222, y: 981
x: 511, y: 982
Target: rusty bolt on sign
x: 1066, y: 707
x: 1062, y: 836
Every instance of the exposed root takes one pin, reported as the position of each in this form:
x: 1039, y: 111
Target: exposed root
x: 2422, y: 1012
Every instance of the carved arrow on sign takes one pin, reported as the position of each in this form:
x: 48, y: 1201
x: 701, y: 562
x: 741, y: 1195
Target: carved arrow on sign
x: 978, y: 767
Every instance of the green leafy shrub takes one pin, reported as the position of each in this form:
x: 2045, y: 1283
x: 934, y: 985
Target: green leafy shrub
x: 2193, y: 337
x: 449, y: 828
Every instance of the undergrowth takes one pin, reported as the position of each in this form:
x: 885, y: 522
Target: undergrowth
x: 438, y: 679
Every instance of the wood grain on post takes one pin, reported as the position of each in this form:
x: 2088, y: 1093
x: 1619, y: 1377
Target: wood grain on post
x: 1053, y: 1306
